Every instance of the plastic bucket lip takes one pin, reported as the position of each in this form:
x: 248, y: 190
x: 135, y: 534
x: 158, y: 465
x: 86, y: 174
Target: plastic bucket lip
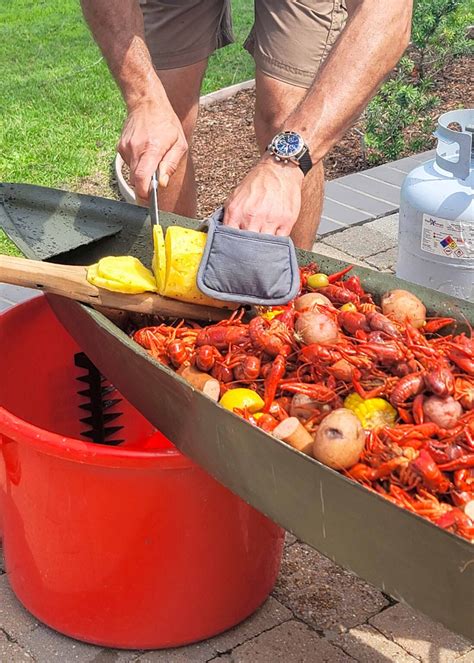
x: 81, y: 451
x: 88, y: 453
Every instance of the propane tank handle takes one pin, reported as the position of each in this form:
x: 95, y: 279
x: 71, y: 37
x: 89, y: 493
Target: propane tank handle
x: 464, y: 139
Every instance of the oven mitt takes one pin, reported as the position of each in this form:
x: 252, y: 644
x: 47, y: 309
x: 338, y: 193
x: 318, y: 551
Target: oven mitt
x: 247, y: 267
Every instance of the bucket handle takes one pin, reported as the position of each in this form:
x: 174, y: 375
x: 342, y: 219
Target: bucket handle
x: 464, y: 139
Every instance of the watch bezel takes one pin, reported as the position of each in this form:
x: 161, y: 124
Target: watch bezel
x: 277, y: 152
x: 300, y: 157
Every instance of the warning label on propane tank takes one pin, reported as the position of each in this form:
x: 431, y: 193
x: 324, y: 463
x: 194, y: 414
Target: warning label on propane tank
x: 452, y: 239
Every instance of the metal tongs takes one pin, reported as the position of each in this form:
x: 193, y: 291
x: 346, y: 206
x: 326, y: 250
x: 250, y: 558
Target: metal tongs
x: 154, y: 209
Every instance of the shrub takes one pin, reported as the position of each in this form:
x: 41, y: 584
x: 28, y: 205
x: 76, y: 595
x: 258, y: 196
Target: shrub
x: 397, y: 120
x: 399, y: 104
x: 438, y: 35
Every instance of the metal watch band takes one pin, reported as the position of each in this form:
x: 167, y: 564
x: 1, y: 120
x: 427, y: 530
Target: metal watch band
x: 305, y: 163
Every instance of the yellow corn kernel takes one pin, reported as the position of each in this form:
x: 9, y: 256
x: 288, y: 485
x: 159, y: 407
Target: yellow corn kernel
x: 351, y: 401
x: 371, y: 412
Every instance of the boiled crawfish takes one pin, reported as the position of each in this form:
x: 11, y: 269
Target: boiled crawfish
x: 415, y: 463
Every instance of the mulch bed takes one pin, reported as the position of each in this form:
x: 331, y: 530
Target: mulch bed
x: 224, y: 145
x: 224, y: 131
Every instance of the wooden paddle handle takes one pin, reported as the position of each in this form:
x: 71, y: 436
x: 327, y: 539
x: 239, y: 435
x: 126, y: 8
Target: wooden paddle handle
x: 70, y: 281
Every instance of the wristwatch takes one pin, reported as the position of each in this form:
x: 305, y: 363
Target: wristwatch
x: 290, y: 146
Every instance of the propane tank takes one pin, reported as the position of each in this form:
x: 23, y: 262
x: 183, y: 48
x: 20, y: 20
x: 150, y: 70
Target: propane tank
x: 436, y: 232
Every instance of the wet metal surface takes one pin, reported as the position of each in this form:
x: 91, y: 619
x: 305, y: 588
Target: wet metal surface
x: 46, y: 223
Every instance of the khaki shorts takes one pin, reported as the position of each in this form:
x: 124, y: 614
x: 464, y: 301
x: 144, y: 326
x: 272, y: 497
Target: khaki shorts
x: 288, y: 41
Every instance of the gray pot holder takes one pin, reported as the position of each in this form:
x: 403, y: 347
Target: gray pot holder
x: 247, y: 267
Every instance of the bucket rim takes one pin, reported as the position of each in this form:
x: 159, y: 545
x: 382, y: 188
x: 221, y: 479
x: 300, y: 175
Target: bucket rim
x: 47, y: 442
x: 13, y: 427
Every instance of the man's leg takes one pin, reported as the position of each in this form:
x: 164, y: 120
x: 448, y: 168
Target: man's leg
x: 180, y: 37
x: 275, y: 101
x: 183, y: 88
x: 288, y: 42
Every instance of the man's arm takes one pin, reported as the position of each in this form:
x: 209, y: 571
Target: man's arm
x: 371, y: 44
x: 152, y: 134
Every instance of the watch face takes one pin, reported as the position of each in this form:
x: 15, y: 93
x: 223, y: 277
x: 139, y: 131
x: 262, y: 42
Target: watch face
x: 288, y: 144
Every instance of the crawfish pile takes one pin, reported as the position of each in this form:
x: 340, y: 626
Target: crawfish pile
x: 424, y: 460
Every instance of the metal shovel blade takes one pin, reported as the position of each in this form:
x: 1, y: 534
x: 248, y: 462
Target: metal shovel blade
x: 46, y: 223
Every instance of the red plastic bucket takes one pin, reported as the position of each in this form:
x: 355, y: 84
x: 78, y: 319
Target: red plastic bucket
x: 114, y: 545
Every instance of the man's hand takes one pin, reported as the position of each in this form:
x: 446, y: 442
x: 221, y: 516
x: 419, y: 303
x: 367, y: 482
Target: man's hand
x: 268, y: 199
x: 152, y: 136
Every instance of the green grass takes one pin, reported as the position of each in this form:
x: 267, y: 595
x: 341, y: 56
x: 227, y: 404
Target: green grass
x: 232, y: 64
x: 7, y: 247
x: 60, y: 111
x: 59, y: 108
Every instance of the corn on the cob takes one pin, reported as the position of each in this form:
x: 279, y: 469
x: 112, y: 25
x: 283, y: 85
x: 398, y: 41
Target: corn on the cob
x: 371, y: 412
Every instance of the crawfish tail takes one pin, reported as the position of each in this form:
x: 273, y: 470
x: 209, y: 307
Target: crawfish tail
x: 462, y: 360
x: 287, y: 318
x: 221, y: 336
x: 247, y: 368
x: 222, y: 373
x: 273, y: 379
x: 430, y: 472
x: 318, y: 392
x: 178, y: 352
x: 407, y: 387
x: 339, y: 295
x: 205, y: 357
x: 458, y: 521
x: 315, y: 353
x: 464, y: 463
x: 352, y: 321
x: 384, y: 353
x: 353, y: 283
x: 379, y: 322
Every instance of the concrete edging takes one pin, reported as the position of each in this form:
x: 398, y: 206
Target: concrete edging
x: 205, y: 101
x: 226, y: 92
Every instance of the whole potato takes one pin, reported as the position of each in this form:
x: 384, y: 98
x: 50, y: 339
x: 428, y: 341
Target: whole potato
x: 402, y: 306
x: 444, y: 412
x: 311, y: 301
x: 339, y: 440
x: 314, y: 327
